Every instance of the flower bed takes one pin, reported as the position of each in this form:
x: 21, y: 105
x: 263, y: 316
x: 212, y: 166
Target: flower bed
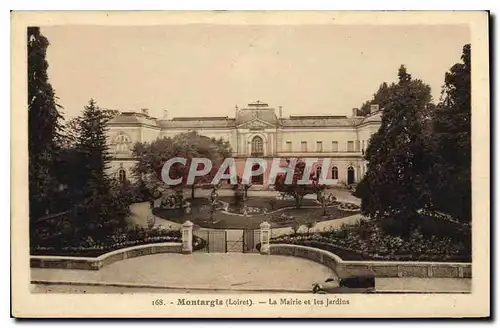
x: 261, y: 203
x: 346, y: 206
x: 366, y: 241
x: 303, y: 216
x: 89, y: 247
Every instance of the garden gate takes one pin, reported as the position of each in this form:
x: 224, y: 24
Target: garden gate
x: 229, y: 241
x: 251, y: 238
x: 215, y: 240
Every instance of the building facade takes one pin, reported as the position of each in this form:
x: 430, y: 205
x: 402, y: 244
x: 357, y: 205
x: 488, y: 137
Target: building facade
x: 256, y: 131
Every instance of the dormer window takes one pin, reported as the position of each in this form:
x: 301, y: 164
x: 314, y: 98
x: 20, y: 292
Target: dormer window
x: 122, y: 143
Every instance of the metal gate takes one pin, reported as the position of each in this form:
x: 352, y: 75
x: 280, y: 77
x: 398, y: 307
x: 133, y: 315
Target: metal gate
x: 229, y: 241
x: 234, y: 241
x: 215, y: 240
x: 251, y: 238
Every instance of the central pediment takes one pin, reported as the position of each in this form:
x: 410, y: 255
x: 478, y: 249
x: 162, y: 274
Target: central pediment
x: 258, y: 115
x: 256, y: 124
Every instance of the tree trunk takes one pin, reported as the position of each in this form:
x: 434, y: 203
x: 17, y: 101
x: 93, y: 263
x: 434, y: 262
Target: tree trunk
x: 298, y: 201
x: 192, y: 191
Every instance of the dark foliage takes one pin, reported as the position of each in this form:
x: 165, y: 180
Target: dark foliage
x: 296, y: 189
x: 44, y: 129
x: 87, y: 246
x: 380, y: 98
x: 451, y: 173
x: 398, y: 162
x: 368, y: 241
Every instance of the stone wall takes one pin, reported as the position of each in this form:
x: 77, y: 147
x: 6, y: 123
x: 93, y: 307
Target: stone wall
x: 379, y: 268
x: 95, y: 263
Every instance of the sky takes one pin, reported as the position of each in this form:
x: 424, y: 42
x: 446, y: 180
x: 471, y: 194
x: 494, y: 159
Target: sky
x: 206, y: 70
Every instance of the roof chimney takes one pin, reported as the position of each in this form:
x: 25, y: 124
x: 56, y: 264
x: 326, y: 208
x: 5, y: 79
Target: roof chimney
x: 354, y: 112
x: 145, y: 111
x: 373, y: 108
x: 280, y: 111
x: 165, y: 114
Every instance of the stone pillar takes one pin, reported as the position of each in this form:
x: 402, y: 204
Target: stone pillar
x: 279, y: 141
x: 264, y: 237
x: 187, y: 237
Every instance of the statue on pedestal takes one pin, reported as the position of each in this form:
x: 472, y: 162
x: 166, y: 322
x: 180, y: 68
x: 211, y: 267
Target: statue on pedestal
x: 213, y: 202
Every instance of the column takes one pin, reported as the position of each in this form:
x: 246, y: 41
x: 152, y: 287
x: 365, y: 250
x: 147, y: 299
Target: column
x: 187, y: 237
x: 279, y: 141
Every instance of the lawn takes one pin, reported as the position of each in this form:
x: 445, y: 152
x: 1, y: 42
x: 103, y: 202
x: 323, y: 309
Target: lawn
x: 200, y: 214
x: 268, y: 203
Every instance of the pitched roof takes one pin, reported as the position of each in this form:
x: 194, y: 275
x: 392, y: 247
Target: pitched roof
x: 320, y: 121
x: 373, y: 117
x: 197, y: 122
x: 131, y: 117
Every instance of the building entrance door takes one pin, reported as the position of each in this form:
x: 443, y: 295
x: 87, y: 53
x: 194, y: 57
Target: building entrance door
x: 350, y: 175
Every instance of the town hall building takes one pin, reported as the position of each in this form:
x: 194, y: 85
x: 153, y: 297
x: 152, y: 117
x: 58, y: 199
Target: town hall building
x: 256, y: 130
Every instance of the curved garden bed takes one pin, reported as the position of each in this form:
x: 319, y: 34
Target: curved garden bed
x: 259, y: 209
x: 89, y: 247
x: 366, y: 242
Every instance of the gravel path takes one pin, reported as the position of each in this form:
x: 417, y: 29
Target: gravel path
x: 200, y: 270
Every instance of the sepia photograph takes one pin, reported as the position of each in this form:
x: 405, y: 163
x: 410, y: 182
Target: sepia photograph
x: 266, y: 164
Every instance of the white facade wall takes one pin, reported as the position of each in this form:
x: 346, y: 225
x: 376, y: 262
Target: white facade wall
x: 311, y: 136
x: 275, y: 143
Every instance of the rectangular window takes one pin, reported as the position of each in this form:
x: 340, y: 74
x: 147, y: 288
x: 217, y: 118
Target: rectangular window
x: 303, y: 146
x: 319, y: 146
x: 350, y: 146
x: 357, y: 146
x: 335, y: 146
x: 288, y: 146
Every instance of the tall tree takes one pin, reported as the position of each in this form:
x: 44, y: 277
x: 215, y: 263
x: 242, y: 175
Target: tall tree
x: 381, y: 98
x: 91, y: 144
x: 395, y: 184
x: 451, y: 182
x: 294, y: 189
x: 100, y: 206
x: 44, y: 127
x: 152, y: 156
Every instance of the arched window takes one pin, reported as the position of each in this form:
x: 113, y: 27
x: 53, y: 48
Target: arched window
x: 335, y: 173
x: 122, y: 175
x: 122, y: 143
x: 257, y: 146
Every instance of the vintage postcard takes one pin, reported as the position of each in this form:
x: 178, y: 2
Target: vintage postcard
x: 250, y: 164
